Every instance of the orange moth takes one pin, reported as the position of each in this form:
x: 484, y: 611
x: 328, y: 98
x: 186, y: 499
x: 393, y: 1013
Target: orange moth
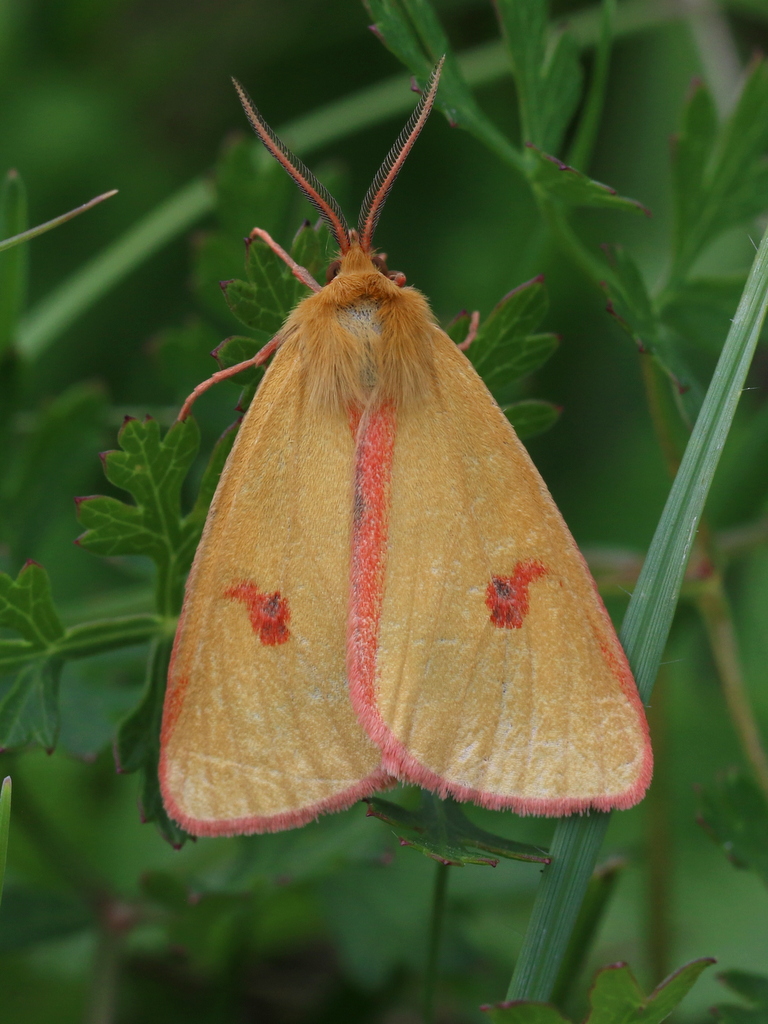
x: 384, y: 588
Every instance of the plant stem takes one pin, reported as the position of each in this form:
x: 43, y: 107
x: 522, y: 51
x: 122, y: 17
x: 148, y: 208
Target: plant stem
x: 580, y: 153
x: 435, y: 933
x: 105, y: 976
x: 718, y: 621
x: 659, y: 842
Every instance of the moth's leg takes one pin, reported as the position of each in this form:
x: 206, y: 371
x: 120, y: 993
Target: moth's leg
x: 474, y: 322
x: 303, y: 275
x: 261, y: 357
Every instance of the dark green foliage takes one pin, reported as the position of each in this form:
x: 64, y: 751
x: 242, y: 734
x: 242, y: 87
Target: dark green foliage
x: 734, y: 811
x: 615, y: 998
x: 753, y: 988
x: 441, y: 830
x: 329, y: 923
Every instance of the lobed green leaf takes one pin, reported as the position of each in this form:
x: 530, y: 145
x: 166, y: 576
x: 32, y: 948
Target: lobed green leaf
x: 411, y: 30
x: 573, y: 188
x: 548, y: 77
x: 441, y: 830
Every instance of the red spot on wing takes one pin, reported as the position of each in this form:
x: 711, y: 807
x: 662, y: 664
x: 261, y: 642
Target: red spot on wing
x: 269, y: 613
x: 507, y: 596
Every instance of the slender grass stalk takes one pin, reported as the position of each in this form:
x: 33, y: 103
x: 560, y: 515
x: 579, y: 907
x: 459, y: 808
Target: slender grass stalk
x: 435, y: 933
x: 644, y: 633
x: 40, y: 229
x: 64, y: 304
x: 5, y: 824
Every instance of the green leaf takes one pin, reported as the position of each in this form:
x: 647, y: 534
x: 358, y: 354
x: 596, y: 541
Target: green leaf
x: 441, y: 830
x: 720, y: 177
x: 238, y: 349
x: 263, y: 302
x: 411, y: 30
x: 277, y: 291
x: 524, y: 1013
x: 734, y: 811
x: 5, y: 825
x: 531, y: 416
x: 14, y: 264
x: 615, y: 996
x: 31, y: 916
x: 630, y: 303
x: 547, y: 76
x: 690, y: 155
x: 29, y: 711
x: 29, y: 707
x: 571, y: 187
x: 313, y: 248
x: 26, y: 606
x: 527, y: 355
x: 152, y: 470
x: 503, y: 336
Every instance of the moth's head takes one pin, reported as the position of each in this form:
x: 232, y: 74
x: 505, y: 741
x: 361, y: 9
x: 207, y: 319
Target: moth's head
x: 356, y: 252
x: 357, y: 260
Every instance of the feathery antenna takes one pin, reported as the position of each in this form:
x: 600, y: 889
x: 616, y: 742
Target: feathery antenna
x: 389, y: 170
x: 315, y: 192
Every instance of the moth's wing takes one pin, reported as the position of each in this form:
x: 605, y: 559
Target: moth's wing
x: 258, y: 731
x: 481, y: 658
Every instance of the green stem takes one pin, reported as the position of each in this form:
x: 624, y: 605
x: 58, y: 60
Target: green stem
x: 435, y: 933
x: 105, y: 976
x: 5, y: 824
x: 644, y: 634
x: 580, y: 153
x: 718, y: 621
x: 659, y: 843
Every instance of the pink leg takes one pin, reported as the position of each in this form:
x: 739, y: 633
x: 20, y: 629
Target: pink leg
x: 303, y: 275
x: 261, y: 357
x: 474, y: 322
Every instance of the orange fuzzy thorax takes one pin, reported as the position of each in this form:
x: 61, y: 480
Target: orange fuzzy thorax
x: 367, y: 340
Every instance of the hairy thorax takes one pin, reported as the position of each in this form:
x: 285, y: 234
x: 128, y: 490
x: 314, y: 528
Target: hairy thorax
x: 363, y: 339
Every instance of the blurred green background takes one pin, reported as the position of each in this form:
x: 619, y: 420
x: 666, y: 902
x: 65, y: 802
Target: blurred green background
x: 329, y: 923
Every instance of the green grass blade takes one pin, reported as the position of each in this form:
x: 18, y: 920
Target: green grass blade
x: 5, y: 821
x: 576, y: 843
